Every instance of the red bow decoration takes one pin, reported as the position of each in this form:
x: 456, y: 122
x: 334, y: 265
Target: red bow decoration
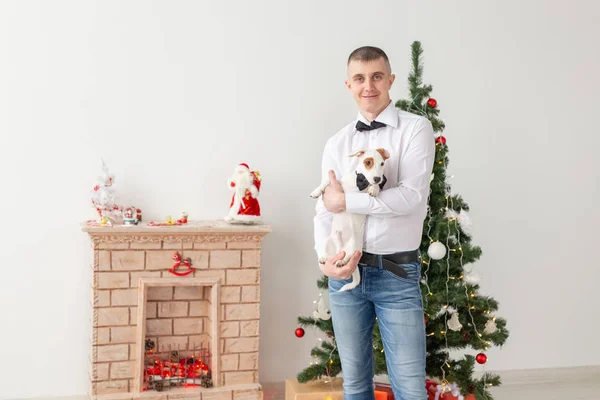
x: 178, y: 263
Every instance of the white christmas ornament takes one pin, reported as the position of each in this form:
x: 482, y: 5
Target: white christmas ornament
x: 431, y: 177
x: 450, y: 310
x: 436, y: 250
x: 490, y: 327
x: 451, y: 214
x: 454, y: 324
x: 471, y: 279
x: 321, y: 312
x: 464, y: 219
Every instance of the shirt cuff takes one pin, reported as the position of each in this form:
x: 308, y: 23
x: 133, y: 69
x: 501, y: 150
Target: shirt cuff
x: 357, y: 203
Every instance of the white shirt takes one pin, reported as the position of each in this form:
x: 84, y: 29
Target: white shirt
x: 395, y: 218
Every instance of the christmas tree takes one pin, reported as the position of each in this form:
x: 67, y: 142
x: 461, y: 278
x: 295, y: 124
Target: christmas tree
x: 103, y: 198
x: 456, y: 316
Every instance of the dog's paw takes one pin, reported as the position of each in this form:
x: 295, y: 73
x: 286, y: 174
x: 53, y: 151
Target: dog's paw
x: 322, y: 260
x: 316, y: 193
x: 373, y: 190
x: 341, y: 263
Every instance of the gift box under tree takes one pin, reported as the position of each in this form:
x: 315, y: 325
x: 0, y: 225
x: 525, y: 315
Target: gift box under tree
x: 315, y: 390
x: 332, y: 390
x: 445, y: 392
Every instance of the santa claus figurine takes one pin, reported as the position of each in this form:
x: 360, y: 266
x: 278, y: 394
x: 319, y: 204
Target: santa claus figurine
x: 244, y: 207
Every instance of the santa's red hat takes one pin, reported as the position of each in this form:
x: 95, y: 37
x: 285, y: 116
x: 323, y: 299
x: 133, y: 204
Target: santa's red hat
x: 243, y: 166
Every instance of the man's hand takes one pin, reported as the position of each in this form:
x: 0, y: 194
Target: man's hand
x: 329, y: 269
x: 334, y: 198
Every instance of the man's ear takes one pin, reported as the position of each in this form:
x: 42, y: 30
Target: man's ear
x: 384, y: 153
x: 357, y: 154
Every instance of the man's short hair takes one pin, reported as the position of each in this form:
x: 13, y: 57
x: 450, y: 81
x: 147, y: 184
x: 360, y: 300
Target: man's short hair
x: 368, y: 53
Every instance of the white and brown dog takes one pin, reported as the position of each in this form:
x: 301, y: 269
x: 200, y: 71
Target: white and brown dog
x: 347, y: 230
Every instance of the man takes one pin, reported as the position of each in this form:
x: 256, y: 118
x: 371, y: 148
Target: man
x: 390, y: 264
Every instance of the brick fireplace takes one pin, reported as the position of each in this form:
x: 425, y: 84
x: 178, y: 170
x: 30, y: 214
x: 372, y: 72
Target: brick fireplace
x: 185, y: 296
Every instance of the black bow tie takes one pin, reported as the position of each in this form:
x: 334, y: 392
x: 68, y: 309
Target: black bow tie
x: 361, y: 126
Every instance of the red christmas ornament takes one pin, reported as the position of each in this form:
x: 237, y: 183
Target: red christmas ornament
x: 481, y: 358
x: 441, y: 139
x: 185, y: 264
x: 432, y: 102
x: 299, y: 332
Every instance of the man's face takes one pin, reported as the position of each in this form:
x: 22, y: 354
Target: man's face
x: 370, y: 83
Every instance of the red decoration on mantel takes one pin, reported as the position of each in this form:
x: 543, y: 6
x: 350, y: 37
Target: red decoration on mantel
x: 178, y: 263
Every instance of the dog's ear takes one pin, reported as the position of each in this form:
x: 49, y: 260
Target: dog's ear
x: 357, y: 154
x: 384, y: 153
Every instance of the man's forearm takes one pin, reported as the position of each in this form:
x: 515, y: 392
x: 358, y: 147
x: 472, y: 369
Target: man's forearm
x: 389, y: 203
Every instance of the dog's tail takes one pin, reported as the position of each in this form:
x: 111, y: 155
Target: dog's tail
x: 354, y: 283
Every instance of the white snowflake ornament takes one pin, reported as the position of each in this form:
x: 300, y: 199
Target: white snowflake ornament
x: 321, y: 312
x: 464, y: 219
x: 454, y: 324
x: 471, y: 279
x: 490, y: 327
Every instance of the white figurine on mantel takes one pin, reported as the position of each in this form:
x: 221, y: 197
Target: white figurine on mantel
x: 244, y: 207
x: 103, y: 200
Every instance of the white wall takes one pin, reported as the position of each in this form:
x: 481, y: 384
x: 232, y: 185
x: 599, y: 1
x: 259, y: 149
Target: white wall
x: 174, y: 94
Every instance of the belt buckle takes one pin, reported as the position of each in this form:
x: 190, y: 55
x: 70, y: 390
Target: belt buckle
x: 368, y: 259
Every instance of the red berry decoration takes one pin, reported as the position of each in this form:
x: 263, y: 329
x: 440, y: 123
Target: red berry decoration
x: 481, y: 358
x: 299, y: 332
x: 440, y: 139
x: 432, y: 102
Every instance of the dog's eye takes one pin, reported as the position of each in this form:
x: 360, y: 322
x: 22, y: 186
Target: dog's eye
x: 368, y: 163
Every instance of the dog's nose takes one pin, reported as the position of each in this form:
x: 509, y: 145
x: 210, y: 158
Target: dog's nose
x: 377, y: 179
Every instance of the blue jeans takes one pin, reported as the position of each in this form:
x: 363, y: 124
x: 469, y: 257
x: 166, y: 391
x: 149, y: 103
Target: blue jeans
x: 397, y: 304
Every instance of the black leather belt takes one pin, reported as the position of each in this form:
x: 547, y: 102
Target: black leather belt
x: 391, y: 262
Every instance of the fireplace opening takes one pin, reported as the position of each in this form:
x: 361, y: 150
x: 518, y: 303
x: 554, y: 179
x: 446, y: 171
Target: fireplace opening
x: 177, y: 342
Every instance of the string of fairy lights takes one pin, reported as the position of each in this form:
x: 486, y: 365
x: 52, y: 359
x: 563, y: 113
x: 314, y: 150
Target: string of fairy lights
x: 328, y: 377
x: 446, y: 387
x: 441, y: 141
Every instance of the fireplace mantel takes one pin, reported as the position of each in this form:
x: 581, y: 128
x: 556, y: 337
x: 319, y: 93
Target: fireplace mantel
x: 143, y: 289
x: 203, y: 228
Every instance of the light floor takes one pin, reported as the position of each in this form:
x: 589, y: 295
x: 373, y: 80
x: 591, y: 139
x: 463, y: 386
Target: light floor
x: 546, y: 391
x: 579, y: 383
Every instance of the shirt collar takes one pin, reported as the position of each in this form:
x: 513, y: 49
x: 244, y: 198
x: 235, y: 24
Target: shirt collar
x: 388, y: 116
